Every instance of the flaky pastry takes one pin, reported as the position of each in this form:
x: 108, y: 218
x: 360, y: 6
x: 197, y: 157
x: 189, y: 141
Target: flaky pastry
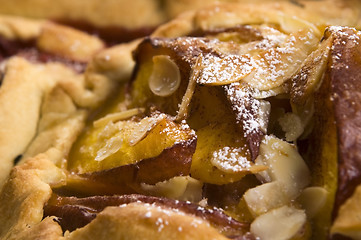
x: 234, y: 121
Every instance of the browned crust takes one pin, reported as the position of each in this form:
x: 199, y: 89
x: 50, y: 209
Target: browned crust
x: 21, y: 204
x: 345, y: 75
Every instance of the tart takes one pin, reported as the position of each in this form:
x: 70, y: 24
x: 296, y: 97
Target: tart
x: 235, y: 121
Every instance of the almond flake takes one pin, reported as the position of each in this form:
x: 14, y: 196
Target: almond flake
x: 114, y: 117
x: 224, y: 70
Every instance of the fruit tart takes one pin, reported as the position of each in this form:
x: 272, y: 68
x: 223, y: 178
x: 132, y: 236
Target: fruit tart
x: 235, y: 121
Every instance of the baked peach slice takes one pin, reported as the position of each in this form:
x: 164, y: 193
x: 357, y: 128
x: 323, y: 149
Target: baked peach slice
x: 118, y: 153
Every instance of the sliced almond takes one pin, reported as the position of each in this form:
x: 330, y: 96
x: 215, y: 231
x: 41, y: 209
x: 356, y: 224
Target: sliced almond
x: 180, y: 188
x: 287, y: 175
x: 139, y: 130
x: 284, y: 165
x: 187, y: 97
x: 276, y: 65
x: 224, y: 70
x: 258, y: 94
x: 265, y: 197
x: 165, y: 78
x: 291, y: 23
x: 113, y: 117
x: 131, y: 131
x: 313, y: 199
x: 280, y: 223
x: 292, y: 126
x: 308, y: 79
x: 111, y: 146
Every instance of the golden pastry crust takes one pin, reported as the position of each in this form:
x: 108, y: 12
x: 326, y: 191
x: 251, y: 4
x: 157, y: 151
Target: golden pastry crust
x: 335, y: 11
x: 320, y: 13
x: 46, y: 229
x: 123, y: 13
x: 22, y: 204
x: 348, y: 221
x: 148, y: 222
x: 19, y: 28
x: 52, y: 38
x: 27, y: 85
x: 49, y: 126
x: 67, y: 42
x: 46, y: 106
x: 46, y: 98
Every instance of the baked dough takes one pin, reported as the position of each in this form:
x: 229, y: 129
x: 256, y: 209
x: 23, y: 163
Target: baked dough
x: 146, y: 224
x: 118, y: 13
x: 24, y: 194
x: 49, y: 96
x: 52, y: 101
x: 335, y: 11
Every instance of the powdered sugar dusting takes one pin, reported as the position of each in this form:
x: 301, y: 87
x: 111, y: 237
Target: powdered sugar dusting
x: 148, y: 214
x: 345, y: 38
x: 231, y: 159
x: 224, y: 70
x: 248, y: 111
x: 341, y: 31
x: 276, y: 65
x: 180, y: 131
x: 188, y: 48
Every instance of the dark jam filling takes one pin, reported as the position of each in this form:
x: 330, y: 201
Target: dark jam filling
x: 28, y: 50
x: 111, y: 35
x: 35, y: 55
x: 12, y: 47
